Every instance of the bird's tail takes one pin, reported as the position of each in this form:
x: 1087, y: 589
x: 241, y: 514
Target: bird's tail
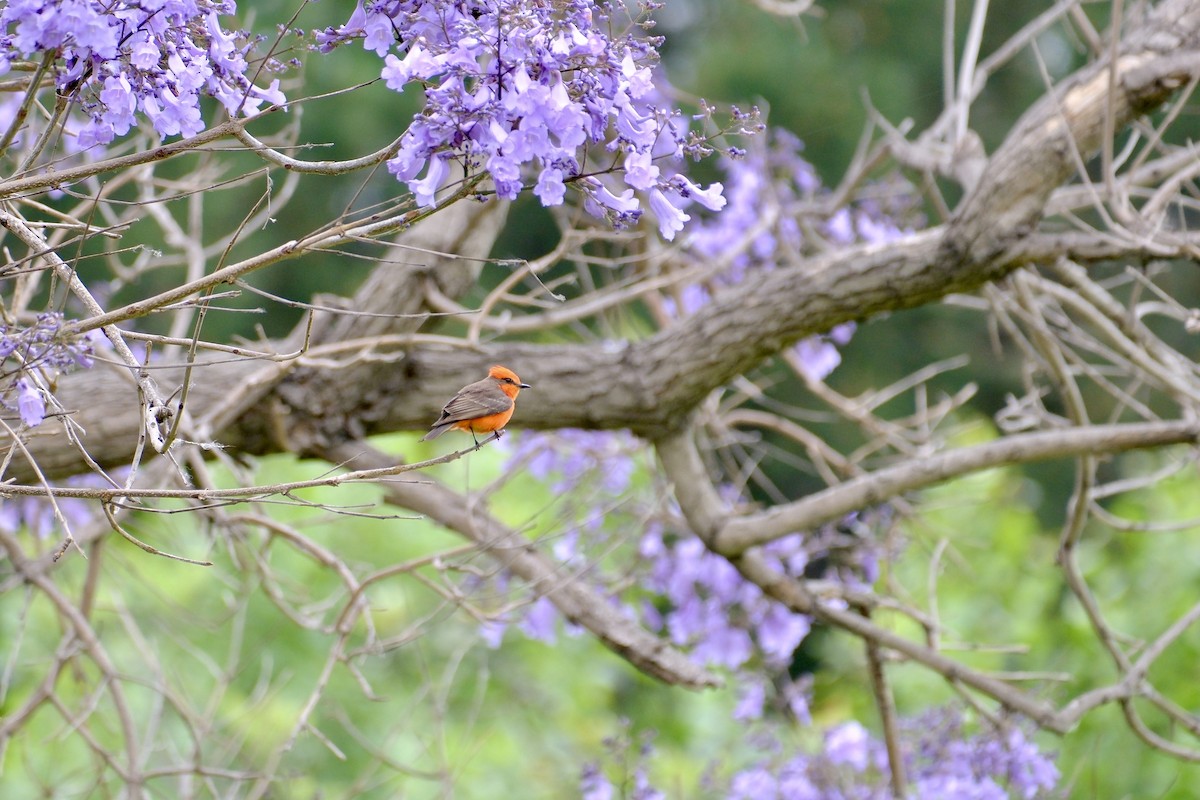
x: 436, y: 432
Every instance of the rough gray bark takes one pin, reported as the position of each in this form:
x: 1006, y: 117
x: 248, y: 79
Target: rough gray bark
x: 648, y: 386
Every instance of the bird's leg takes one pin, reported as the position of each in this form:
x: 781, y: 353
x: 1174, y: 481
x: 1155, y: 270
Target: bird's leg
x: 478, y: 444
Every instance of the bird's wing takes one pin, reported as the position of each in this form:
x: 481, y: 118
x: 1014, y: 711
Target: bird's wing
x: 469, y: 404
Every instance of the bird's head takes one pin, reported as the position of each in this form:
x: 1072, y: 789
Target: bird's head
x: 507, y: 380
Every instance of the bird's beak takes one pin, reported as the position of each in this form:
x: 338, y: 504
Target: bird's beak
x: 524, y: 385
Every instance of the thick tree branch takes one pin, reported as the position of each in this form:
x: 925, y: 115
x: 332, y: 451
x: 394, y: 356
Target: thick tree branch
x: 651, y: 386
x: 1063, y: 129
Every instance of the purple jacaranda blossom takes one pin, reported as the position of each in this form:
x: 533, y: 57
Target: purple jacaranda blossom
x: 377, y: 34
x: 756, y: 229
x: 568, y: 457
x: 523, y: 89
x: 780, y: 632
x: 593, y: 785
x: 492, y: 632
x: 941, y: 761
x: 418, y: 63
x: 640, y: 81
x: 771, y: 174
x: 726, y: 621
x: 788, y: 553
x: 37, y: 515
x: 850, y: 744
x: 118, y: 58
x: 426, y: 188
x: 840, y: 227
x: 31, y: 404
x: 632, y: 757
x: 753, y: 784
x: 692, y: 297
x: 566, y: 547
x: 95, y: 132
x: 709, y: 608
x: 958, y: 787
x: 623, y: 209
x: 841, y: 334
x: 540, y: 621
x: 173, y: 115
x: 795, y: 696
x: 751, y: 700
x: 947, y: 758
x: 711, y: 198
x: 506, y: 176
x: 670, y: 219
x: 117, y: 96
x: 876, y: 231
x: 852, y: 765
x: 700, y: 600
x: 143, y: 52
x: 643, y: 789
x: 723, y: 618
x: 817, y: 357
x: 1027, y: 769
x: 38, y: 346
x: 719, y: 645
x: 550, y: 188
x: 794, y: 782
x: 640, y: 172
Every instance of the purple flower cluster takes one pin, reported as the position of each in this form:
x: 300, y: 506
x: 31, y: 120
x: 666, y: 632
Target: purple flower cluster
x: 876, y: 218
x: 596, y: 466
x: 701, y: 602
x: 599, y: 465
x: 818, y: 356
x: 631, y: 761
x: 694, y: 597
x: 119, y: 58
x: 568, y: 457
x: 773, y: 181
x: 38, y: 346
x: 515, y: 86
x: 942, y: 762
x: 772, y: 176
x: 947, y: 763
x: 770, y: 181
x: 37, y: 514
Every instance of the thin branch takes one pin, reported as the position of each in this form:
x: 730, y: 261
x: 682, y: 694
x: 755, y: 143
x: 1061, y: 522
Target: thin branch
x: 830, y: 504
x: 574, y: 598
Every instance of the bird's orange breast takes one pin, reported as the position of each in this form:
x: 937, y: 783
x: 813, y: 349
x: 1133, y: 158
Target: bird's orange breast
x: 491, y: 422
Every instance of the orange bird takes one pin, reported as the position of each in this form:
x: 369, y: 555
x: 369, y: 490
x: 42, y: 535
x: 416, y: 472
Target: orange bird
x: 481, y: 407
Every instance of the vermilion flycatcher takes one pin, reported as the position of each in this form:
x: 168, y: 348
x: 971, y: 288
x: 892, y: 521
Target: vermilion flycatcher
x: 481, y: 407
